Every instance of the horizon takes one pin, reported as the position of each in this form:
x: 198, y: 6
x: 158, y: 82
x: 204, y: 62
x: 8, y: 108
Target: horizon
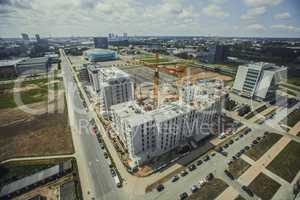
x: 210, y: 18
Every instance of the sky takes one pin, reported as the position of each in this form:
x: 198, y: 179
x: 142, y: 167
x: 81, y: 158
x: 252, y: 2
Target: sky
x: 243, y: 18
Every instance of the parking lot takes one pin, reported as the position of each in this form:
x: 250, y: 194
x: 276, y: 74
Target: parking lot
x: 214, y: 162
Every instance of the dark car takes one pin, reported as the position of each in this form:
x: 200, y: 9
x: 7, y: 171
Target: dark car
x: 192, y: 167
x: 160, y: 187
x: 183, y: 173
x: 234, y: 157
x: 209, y: 177
x: 206, y: 158
x: 247, y: 190
x: 183, y: 196
x: 199, y: 162
x: 238, y: 154
x: 247, y: 148
x: 229, y: 174
x: 224, y: 153
x: 254, y: 142
x: 258, y: 138
x: 113, y: 172
x: 105, y: 155
x: 226, y: 146
x: 231, y: 142
x: 242, y: 151
x: 175, y: 178
x: 241, y: 135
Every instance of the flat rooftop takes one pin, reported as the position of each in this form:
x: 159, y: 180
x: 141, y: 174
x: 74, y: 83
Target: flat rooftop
x: 110, y: 73
x: 7, y: 63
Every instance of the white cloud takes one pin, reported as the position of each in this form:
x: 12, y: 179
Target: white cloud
x: 254, y: 13
x: 284, y: 15
x: 284, y: 27
x: 257, y: 3
x: 256, y: 27
x: 214, y: 10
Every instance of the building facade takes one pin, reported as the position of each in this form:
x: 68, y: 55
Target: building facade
x: 32, y: 66
x: 147, y: 135
x: 100, y: 55
x: 101, y: 42
x: 259, y: 81
x: 115, y: 87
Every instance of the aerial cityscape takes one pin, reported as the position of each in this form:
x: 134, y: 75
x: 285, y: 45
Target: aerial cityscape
x: 152, y: 100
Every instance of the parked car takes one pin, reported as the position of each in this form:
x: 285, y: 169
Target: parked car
x: 247, y: 148
x: 209, y: 177
x: 202, y: 182
x: 194, y: 189
x: 183, y: 196
x: 199, y: 162
x: 247, y: 190
x: 175, y: 178
x: 192, y: 167
x: 160, y: 187
x: 231, y: 142
x: 105, y: 155
x: 226, y: 146
x: 213, y: 154
x: 229, y: 174
x: 113, y: 172
x: 206, y: 158
x: 183, y: 173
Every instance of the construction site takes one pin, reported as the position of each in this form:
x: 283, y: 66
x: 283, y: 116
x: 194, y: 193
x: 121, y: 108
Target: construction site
x: 158, y: 90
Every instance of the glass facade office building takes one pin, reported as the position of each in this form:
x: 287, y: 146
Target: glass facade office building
x: 100, y: 55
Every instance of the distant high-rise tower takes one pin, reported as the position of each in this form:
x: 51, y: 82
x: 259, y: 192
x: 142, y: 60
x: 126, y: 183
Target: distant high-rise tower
x: 37, y: 37
x: 25, y: 36
x: 125, y: 35
x: 110, y: 35
x: 101, y: 42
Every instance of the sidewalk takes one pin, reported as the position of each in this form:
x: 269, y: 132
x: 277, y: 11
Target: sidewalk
x: 259, y: 166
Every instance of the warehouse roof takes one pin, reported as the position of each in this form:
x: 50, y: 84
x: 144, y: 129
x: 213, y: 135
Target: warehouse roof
x: 29, y: 180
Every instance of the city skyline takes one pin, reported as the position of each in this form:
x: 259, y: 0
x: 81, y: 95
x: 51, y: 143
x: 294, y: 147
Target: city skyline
x: 245, y: 18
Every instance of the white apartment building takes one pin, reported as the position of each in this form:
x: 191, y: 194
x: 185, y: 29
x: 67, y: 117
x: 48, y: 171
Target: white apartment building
x: 93, y: 76
x: 150, y: 134
x: 115, y: 87
x: 259, y: 80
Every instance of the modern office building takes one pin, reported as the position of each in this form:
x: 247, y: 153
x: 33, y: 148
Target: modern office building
x: 259, y: 81
x: 101, y: 42
x: 115, y: 87
x: 37, y: 37
x: 32, y: 66
x: 100, y: 55
x: 25, y: 36
x: 146, y: 135
x: 213, y: 54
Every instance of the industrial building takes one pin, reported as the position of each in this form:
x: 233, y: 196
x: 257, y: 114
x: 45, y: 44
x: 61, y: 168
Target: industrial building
x: 149, y: 134
x: 32, y: 66
x: 27, y: 183
x: 8, y: 68
x: 259, y: 81
x: 100, y: 55
x: 115, y: 87
x: 101, y: 42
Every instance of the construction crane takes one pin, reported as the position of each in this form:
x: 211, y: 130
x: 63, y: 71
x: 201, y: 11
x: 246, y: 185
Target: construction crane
x: 156, y: 81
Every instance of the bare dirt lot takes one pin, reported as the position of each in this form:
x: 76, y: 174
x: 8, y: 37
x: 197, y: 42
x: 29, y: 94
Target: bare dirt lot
x: 44, y: 133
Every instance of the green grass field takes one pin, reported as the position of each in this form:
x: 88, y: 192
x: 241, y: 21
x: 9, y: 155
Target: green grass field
x: 264, y: 187
x: 29, y: 96
x: 287, y: 163
x: 262, y: 147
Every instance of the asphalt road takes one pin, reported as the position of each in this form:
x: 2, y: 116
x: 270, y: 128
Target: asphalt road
x: 95, y: 176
